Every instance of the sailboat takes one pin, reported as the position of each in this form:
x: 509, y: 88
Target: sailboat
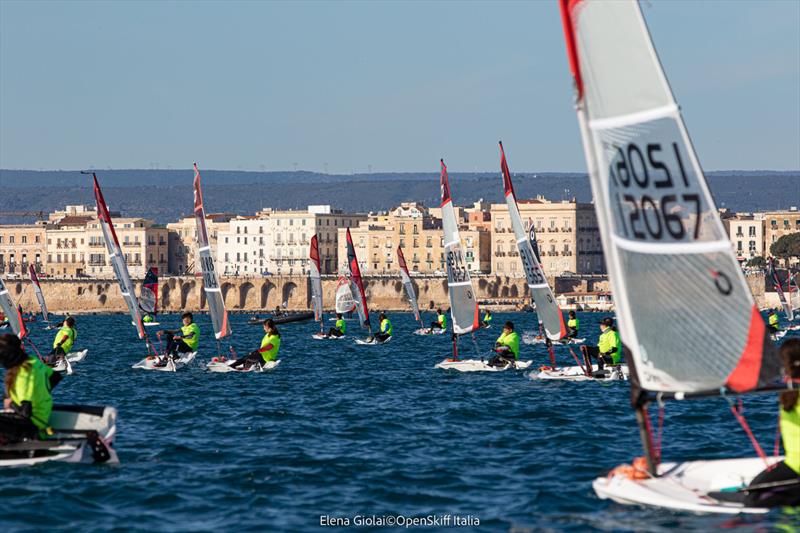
x: 463, y: 303
x: 37, y: 289
x: 786, y: 303
x: 316, y: 289
x: 688, y: 320
x: 148, y: 297
x: 359, y: 295
x: 345, y: 303
x: 408, y: 285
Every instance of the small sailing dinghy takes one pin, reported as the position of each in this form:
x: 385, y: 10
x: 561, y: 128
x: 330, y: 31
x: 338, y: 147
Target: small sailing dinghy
x: 408, y: 285
x: 464, y: 312
x: 663, y: 243
x: 359, y: 295
x: 315, y: 277
x: 37, y: 289
x: 786, y: 303
x: 148, y: 297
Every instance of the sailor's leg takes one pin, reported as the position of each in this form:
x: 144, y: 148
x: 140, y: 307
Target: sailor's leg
x: 779, y: 496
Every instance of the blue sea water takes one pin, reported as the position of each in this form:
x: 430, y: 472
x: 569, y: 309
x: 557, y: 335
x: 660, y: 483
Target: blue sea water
x: 343, y: 431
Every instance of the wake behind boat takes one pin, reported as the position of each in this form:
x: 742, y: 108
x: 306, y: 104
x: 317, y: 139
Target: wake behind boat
x: 222, y: 364
x: 165, y: 363
x: 479, y: 365
x: 579, y: 373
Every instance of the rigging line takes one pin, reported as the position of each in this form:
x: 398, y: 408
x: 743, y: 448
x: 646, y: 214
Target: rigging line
x: 737, y: 413
x: 475, y: 344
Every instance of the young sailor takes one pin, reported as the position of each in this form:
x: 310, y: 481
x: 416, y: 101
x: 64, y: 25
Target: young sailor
x: 270, y: 344
x: 609, y: 346
x: 506, y: 346
x: 340, y: 327
x: 440, y: 323
x: 63, y: 341
x: 773, y: 322
x: 185, y: 340
x: 386, y: 329
x: 767, y: 490
x: 487, y: 319
x: 28, y: 385
x: 573, y: 324
x: 147, y: 318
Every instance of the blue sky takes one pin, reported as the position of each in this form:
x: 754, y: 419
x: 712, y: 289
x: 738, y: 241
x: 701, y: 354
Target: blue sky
x: 348, y: 86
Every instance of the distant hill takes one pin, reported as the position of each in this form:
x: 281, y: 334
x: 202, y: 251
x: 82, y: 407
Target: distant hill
x: 165, y: 195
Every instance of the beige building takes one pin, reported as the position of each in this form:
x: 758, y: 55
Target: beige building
x: 746, y: 233
x: 567, y: 235
x: 419, y: 234
x: 183, y: 254
x: 144, y: 244
x: 779, y: 223
x: 278, y: 242
x: 21, y: 245
x: 68, y: 246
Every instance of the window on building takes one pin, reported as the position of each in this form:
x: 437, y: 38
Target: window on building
x: 291, y: 222
x: 752, y: 231
x: 402, y: 229
x: 10, y: 239
x: 24, y: 239
x: 429, y: 242
x: 739, y: 246
x: 238, y: 229
x: 238, y: 257
x: 416, y: 242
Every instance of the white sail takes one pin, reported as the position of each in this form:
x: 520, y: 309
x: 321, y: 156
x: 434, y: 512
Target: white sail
x: 316, y: 279
x: 407, y: 283
x: 11, y: 311
x: 38, y: 290
x: 216, y: 303
x: 344, y: 296
x: 786, y: 303
x: 794, y: 292
x: 463, y: 304
x: 683, y: 307
x: 357, y: 284
x: 117, y: 259
x: 546, y: 307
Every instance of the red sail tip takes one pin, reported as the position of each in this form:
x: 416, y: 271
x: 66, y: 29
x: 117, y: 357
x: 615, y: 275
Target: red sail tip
x: 508, y: 187
x: 567, y: 12
x: 747, y: 372
x: 445, y: 185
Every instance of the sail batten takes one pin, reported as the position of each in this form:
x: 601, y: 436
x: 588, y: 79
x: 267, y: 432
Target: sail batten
x: 683, y: 307
x: 546, y: 307
x: 463, y: 304
x: 407, y: 283
x: 37, y: 288
x: 216, y: 303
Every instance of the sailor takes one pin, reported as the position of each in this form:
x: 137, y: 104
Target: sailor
x: 506, y: 346
x: 386, y: 328
x: 340, y: 327
x: 787, y: 472
x: 773, y: 322
x: 440, y: 323
x: 63, y: 341
x: 487, y: 319
x: 609, y: 346
x: 573, y: 324
x: 185, y: 340
x: 278, y: 311
x: 147, y: 318
x: 28, y: 385
x: 270, y: 344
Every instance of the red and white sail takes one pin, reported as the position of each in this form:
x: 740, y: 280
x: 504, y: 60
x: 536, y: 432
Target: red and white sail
x: 37, y: 289
x: 344, y: 296
x: 683, y: 307
x: 12, y: 312
x: 316, y: 279
x: 409, y: 286
x: 546, y: 307
x: 216, y: 303
x: 357, y: 284
x: 776, y: 283
x: 148, y: 296
x: 117, y: 259
x: 463, y: 304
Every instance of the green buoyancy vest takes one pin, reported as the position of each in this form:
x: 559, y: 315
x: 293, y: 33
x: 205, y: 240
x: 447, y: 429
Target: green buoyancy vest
x: 147, y: 318
x: 32, y: 384
x: 574, y: 323
x: 67, y: 335
x: 341, y: 326
x: 194, y: 341
x: 610, y: 339
x: 275, y: 341
x: 487, y: 317
x: 773, y: 319
x: 790, y: 433
x: 386, y: 326
x: 442, y: 319
x: 511, y: 340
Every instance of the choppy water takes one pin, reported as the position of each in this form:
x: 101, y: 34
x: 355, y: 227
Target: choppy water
x: 343, y: 431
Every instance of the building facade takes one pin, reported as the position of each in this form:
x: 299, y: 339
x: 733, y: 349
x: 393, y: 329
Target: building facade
x: 779, y: 223
x: 182, y: 241
x: 746, y: 233
x: 22, y: 245
x: 144, y: 244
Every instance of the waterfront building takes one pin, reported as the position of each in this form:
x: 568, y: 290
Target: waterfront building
x: 182, y: 241
x: 21, y: 245
x: 144, y: 244
x: 746, y: 233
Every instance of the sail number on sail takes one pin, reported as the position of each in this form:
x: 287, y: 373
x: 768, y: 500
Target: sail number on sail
x: 209, y: 278
x: 660, y: 213
x: 533, y: 274
x: 456, y: 269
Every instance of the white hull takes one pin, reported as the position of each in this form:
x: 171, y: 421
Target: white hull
x: 69, y: 447
x: 323, y: 337
x: 76, y: 357
x: 475, y: 365
x: 424, y: 331
x: 685, y: 486
x: 373, y: 342
x: 149, y: 363
x: 530, y: 339
x: 150, y: 324
x: 575, y: 373
x: 224, y: 366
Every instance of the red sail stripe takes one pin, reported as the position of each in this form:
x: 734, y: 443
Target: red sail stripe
x: 314, y: 253
x: 102, y: 210
x: 445, y: 185
x: 402, y: 260
x: 355, y: 273
x: 567, y: 12
x: 746, y: 374
x: 508, y: 187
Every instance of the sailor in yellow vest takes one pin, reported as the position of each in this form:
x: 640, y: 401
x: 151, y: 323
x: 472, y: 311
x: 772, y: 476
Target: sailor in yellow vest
x: 270, y: 344
x: 609, y: 346
x: 487, y: 319
x: 62, y: 344
x: 773, y: 322
x: 506, y: 346
x: 386, y: 328
x: 28, y: 385
x: 340, y: 327
x: 185, y: 340
x: 440, y: 322
x: 573, y: 324
x: 779, y: 485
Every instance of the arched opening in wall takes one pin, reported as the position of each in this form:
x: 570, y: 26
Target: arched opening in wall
x: 482, y: 283
x: 225, y: 289
x: 19, y: 288
x: 80, y: 290
x: 245, y: 290
x: 287, y: 292
x: 202, y: 299
x: 504, y: 292
x: 265, y: 290
x: 445, y: 288
x: 99, y: 289
x: 398, y: 286
x: 493, y: 289
x: 102, y: 299
x: 514, y: 291
x: 431, y: 305
x: 186, y: 288
x: 163, y: 298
